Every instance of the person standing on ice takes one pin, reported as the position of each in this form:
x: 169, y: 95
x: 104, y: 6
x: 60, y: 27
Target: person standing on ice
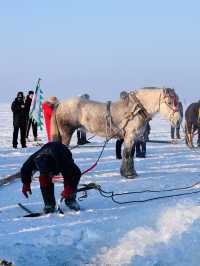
x: 48, y: 107
x: 19, y: 120
x: 50, y: 160
x: 177, y: 128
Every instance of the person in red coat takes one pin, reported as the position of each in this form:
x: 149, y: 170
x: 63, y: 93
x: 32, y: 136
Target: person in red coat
x: 48, y: 107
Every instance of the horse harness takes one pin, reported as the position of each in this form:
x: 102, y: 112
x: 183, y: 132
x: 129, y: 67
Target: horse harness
x: 137, y: 109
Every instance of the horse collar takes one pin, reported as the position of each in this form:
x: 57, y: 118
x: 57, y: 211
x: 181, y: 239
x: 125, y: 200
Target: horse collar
x: 138, y: 107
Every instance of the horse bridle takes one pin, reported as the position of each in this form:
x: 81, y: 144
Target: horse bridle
x: 173, y: 105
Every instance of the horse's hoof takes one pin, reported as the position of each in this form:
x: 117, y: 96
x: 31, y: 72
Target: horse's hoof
x: 132, y: 176
x: 190, y: 145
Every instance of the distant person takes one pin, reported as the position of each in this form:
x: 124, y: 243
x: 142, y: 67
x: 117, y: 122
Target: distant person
x: 19, y: 120
x: 53, y: 158
x: 30, y: 121
x: 139, y: 146
x: 48, y: 107
x: 140, y: 142
x: 81, y: 132
x: 177, y: 129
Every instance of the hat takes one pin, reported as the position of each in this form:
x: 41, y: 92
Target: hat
x: 53, y: 100
x: 123, y: 95
x: 44, y: 163
x: 30, y: 92
x: 85, y: 96
x: 20, y: 94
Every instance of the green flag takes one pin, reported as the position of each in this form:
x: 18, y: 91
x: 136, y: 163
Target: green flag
x: 36, y: 112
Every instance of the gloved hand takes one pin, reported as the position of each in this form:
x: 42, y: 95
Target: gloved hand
x: 67, y: 192
x: 25, y: 189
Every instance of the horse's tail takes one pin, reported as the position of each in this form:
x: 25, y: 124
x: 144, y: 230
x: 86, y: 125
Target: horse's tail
x: 55, y: 133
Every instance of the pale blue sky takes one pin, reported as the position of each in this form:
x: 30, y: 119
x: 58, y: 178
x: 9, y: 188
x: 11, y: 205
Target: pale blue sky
x: 99, y: 47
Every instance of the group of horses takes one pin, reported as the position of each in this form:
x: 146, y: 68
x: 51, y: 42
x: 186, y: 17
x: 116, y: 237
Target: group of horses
x: 120, y: 119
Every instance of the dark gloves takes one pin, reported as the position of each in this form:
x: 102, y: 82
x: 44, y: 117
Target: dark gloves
x: 25, y: 189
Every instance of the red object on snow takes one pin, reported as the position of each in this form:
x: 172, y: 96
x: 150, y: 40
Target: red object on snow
x: 48, y: 110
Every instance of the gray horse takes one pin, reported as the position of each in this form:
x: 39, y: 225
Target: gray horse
x: 120, y: 119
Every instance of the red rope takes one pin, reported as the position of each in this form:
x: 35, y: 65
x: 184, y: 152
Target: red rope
x: 89, y: 169
x: 57, y: 177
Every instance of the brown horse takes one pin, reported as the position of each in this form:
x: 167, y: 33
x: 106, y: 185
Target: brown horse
x: 192, y: 123
x: 120, y: 119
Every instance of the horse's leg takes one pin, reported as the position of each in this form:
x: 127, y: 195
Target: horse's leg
x: 198, y: 140
x: 67, y: 133
x: 127, y: 167
x: 188, y: 134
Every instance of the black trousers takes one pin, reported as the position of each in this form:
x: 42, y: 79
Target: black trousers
x: 138, y: 147
x: 34, y: 128
x: 22, y: 129
x: 173, y: 129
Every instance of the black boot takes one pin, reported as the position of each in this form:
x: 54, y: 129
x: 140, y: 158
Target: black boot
x: 49, y: 198
x: 72, y: 203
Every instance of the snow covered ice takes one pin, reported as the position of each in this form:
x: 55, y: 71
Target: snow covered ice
x: 164, y: 232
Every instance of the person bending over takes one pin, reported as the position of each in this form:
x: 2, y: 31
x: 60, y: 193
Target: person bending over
x: 53, y: 158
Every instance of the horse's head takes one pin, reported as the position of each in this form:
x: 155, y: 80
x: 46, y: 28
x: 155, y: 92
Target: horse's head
x: 169, y: 106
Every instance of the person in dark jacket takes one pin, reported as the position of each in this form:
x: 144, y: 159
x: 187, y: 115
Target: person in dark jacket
x: 53, y: 158
x: 19, y: 120
x: 30, y: 122
x: 139, y: 146
x: 177, y: 129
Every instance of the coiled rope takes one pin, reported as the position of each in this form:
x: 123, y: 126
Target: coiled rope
x: 112, y: 195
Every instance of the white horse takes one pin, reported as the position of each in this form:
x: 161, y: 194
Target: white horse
x: 120, y: 119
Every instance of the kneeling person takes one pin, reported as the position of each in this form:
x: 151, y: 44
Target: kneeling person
x: 53, y: 158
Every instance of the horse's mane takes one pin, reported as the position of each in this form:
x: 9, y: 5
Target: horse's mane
x: 150, y: 88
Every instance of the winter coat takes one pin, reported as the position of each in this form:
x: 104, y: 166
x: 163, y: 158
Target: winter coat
x: 28, y: 105
x: 48, y: 110
x: 19, y: 112
x: 61, y: 162
x: 180, y: 106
